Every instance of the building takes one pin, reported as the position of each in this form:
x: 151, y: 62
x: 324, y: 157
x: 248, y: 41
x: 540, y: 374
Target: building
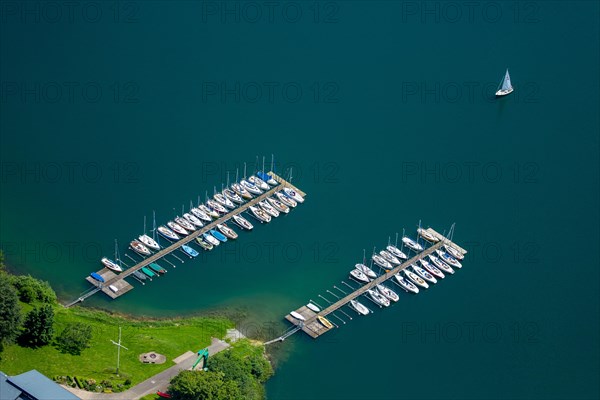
x: 32, y: 385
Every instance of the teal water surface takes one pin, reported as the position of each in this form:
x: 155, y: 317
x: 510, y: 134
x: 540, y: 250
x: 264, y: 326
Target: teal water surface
x: 385, y: 113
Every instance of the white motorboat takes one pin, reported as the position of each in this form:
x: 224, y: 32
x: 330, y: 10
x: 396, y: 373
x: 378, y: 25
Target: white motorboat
x: 242, y: 222
x: 425, y: 234
x: 192, y: 219
x: 293, y: 194
x: 359, y: 276
x: 448, y: 259
x: 412, y: 244
x: 167, y: 233
x: 251, y: 187
x: 110, y: 264
x: 288, y: 201
x: 366, y: 270
x: 389, y: 257
x: 432, y: 269
x: 203, y: 216
x: 423, y: 274
x: 208, y: 211
x: 256, y: 181
x: 358, y: 307
x: 389, y: 293
x: 259, y: 214
x: 187, y: 225
x: 378, y: 298
x: 440, y: 264
x: 396, y: 252
x: 224, y: 201
x: 297, y: 316
x: 382, y: 262
x: 149, y: 242
x: 454, y: 252
x: 416, y: 279
x: 177, y: 228
x: 268, y: 208
x: 210, y: 239
x: 279, y: 206
x: 313, y: 307
x: 227, y: 231
x: 406, y: 284
x: 233, y: 196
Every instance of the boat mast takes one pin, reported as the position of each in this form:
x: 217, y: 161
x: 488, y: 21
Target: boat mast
x: 144, y: 232
x: 272, y: 163
x: 237, y: 171
x: 154, y: 224
x: 263, y: 168
x: 227, y: 178
x: 117, y: 259
x: 396, y: 245
x: 244, y: 170
x: 364, y: 256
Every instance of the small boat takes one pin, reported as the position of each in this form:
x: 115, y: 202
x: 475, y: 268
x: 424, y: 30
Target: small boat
x: 241, y: 191
x: 268, y: 208
x: 189, y: 251
x: 233, y: 196
x: 416, y: 279
x: 177, y: 228
x: 366, y: 270
x: 148, y: 272
x: 139, y: 248
x: 256, y: 181
x: 139, y: 275
x: 216, y: 206
x: 97, y: 276
x: 381, y: 261
x: 359, y: 308
x: 406, y: 284
x: 396, y: 252
x: 505, y: 86
x: 113, y: 288
x: 449, y: 259
x: 297, y: 316
x: 313, y: 307
x: 279, y: 206
x: 432, y: 269
x: 149, y: 242
x: 227, y: 231
x: 359, y: 276
x: 293, y: 195
x: 163, y: 395
x: 389, y: 257
x: 110, y: 264
x: 378, y: 298
x: 288, y: 201
x: 440, y: 264
x: 192, y: 219
x: 201, y: 214
x: 157, y: 268
x: 224, y: 201
x: 251, y: 187
x: 242, y: 222
x: 325, y: 322
x: 167, y: 233
x: 425, y: 234
x: 389, y: 293
x: 212, y: 213
x: 412, y: 244
x: 210, y: 239
x: 260, y: 214
x: 218, y: 235
x: 204, y: 244
x: 185, y: 224
x: 454, y: 252
x: 423, y: 274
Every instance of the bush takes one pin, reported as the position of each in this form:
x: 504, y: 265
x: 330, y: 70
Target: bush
x: 74, y: 338
x: 38, y: 327
x: 31, y: 289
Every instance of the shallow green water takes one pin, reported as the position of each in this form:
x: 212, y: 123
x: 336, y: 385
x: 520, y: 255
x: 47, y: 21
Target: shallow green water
x: 385, y: 112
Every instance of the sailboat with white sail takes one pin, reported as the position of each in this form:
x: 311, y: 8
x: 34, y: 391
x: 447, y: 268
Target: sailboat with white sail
x: 505, y: 86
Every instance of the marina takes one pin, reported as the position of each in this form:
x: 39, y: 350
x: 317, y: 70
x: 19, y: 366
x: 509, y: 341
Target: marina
x: 115, y: 285
x: 310, y: 321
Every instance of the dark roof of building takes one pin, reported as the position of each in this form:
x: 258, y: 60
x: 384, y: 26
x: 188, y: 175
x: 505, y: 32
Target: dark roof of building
x: 32, y: 384
x: 8, y: 391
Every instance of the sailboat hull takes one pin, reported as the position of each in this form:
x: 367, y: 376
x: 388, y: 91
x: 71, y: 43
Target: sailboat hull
x: 501, y: 93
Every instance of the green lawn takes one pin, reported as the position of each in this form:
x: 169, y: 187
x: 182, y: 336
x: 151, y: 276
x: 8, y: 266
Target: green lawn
x: 169, y: 337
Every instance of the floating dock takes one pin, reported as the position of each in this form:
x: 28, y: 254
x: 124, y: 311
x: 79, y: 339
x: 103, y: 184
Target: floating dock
x: 313, y: 328
x: 118, y: 280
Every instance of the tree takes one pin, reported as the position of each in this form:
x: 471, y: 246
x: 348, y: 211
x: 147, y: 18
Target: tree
x: 31, y: 289
x: 38, y: 327
x: 199, y: 385
x: 74, y: 338
x: 10, y: 310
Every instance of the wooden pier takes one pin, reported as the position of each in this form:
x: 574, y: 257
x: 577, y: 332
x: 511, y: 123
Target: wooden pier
x: 312, y: 327
x: 118, y: 280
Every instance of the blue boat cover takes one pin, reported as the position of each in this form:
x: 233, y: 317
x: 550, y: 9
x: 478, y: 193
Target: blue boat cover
x: 97, y: 276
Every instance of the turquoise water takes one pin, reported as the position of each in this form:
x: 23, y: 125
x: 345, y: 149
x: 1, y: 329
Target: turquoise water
x: 385, y: 112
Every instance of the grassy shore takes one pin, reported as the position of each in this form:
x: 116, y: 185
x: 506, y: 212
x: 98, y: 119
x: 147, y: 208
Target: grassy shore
x: 171, y: 337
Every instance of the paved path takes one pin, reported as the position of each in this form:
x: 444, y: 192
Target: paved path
x: 155, y: 383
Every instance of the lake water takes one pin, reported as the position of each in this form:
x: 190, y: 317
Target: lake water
x: 385, y: 113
